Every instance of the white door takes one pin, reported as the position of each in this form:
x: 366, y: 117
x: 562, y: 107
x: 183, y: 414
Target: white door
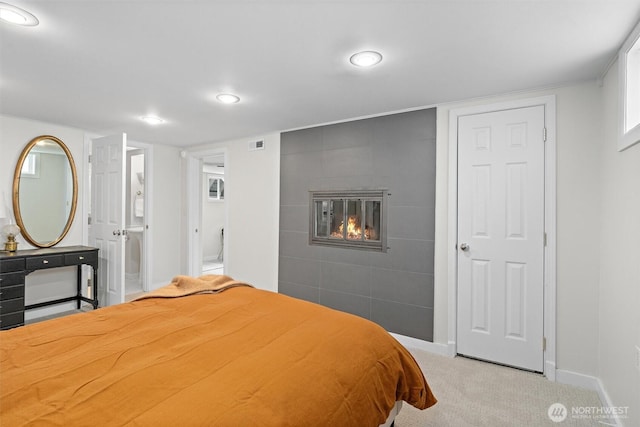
x: 501, y: 236
x: 107, y: 213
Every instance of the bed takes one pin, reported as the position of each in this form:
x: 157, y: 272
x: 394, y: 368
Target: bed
x: 207, y: 351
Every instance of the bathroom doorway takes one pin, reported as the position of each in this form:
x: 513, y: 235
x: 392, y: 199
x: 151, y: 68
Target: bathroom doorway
x: 213, y: 214
x: 135, y: 220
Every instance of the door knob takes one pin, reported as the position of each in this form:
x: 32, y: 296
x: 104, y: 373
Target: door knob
x: 464, y: 246
x: 116, y: 232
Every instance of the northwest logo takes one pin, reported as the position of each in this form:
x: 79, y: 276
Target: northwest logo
x: 557, y: 412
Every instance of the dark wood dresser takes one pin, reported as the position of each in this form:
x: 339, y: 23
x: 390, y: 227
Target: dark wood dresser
x: 15, y: 266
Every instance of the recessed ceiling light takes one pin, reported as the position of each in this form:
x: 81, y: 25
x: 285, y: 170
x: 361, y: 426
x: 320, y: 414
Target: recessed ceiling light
x: 368, y: 58
x: 152, y: 120
x: 228, y: 98
x: 15, y: 15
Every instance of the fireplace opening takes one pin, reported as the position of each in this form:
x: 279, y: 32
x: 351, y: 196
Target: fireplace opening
x: 353, y: 219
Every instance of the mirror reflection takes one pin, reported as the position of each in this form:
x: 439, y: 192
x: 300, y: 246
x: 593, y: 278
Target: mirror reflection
x: 45, y: 191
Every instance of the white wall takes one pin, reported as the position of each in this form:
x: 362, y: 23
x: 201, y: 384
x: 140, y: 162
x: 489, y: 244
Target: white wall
x: 578, y: 220
x: 619, y: 292
x: 164, y: 219
x: 252, y: 187
x: 15, y: 134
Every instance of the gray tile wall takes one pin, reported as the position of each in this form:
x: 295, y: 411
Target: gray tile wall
x: 396, y: 152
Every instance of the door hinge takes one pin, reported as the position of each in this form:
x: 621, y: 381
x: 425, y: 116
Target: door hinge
x: 544, y: 344
x: 544, y: 239
x: 90, y: 158
x: 544, y: 134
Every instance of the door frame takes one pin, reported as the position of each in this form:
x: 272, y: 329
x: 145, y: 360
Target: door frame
x: 146, y: 259
x: 549, y: 275
x: 195, y: 194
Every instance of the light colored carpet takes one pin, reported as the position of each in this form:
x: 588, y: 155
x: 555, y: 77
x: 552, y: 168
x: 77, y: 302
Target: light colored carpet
x: 474, y: 393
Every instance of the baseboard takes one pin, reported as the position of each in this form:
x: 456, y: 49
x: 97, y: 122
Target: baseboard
x: 158, y: 285
x: 431, y: 347
x: 606, y: 400
x: 52, y: 310
x: 590, y: 383
x: 577, y: 380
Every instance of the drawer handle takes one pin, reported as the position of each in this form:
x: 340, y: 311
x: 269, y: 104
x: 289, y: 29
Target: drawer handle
x: 45, y: 262
x: 80, y: 258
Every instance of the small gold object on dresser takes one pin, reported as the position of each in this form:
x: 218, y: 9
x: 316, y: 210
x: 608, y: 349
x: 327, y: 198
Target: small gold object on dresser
x: 9, y: 232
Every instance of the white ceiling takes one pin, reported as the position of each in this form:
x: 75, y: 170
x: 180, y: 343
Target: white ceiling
x: 99, y: 65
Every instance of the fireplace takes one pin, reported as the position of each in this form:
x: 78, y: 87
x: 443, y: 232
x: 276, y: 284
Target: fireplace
x: 352, y: 219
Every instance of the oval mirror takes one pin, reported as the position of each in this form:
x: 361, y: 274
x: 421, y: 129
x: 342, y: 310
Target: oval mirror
x: 45, y: 191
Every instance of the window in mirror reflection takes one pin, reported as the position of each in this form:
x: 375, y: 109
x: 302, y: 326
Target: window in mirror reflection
x: 30, y: 167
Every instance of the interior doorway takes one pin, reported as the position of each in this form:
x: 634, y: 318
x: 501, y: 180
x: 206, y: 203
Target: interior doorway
x: 135, y: 221
x: 213, y: 214
x: 207, y: 235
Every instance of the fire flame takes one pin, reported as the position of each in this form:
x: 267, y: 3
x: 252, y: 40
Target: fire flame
x: 354, y: 231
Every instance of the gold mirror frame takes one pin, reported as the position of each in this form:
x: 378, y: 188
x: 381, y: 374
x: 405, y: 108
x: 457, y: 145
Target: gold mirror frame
x: 16, y: 191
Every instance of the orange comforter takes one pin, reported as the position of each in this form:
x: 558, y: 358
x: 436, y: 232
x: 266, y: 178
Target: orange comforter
x: 242, y: 357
